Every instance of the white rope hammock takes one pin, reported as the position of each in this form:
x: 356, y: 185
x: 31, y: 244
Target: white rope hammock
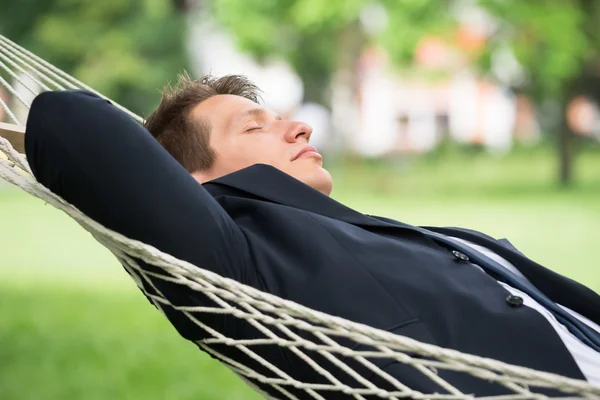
x: 297, y: 329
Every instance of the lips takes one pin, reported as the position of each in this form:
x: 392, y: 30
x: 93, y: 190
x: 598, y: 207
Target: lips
x: 305, y: 149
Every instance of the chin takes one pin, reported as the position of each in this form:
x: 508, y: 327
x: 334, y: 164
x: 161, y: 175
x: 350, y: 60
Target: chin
x: 320, y: 180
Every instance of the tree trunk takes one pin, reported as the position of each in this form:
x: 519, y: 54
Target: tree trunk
x: 565, y: 138
x: 344, y: 102
x: 565, y: 154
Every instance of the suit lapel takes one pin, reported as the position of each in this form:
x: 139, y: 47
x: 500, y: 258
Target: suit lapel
x: 268, y: 183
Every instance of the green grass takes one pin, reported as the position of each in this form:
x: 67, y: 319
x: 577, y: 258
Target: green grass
x: 74, y: 326
x: 73, y: 343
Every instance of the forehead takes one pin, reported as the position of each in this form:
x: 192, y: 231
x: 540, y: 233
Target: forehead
x: 225, y: 109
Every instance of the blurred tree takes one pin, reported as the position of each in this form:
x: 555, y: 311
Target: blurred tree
x: 126, y: 50
x: 320, y: 38
x: 556, y: 43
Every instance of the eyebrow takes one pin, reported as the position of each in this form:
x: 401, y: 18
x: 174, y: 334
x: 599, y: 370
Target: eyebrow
x: 256, y: 112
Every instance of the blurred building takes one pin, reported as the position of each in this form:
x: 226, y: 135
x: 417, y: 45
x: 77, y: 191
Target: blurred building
x: 583, y: 117
x: 409, y: 112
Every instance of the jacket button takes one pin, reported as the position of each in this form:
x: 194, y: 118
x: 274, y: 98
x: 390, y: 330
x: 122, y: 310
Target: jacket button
x: 514, y: 301
x: 460, y: 256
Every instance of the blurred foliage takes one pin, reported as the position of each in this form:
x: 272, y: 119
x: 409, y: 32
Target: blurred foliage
x: 552, y: 40
x: 310, y: 34
x: 556, y: 43
x: 126, y: 50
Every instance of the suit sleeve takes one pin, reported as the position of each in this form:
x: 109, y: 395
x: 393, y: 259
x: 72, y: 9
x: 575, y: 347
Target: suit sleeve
x: 106, y: 164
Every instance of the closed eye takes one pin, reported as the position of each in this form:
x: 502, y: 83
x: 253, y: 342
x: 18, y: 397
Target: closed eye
x: 254, y: 129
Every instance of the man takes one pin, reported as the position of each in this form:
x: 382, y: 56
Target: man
x: 219, y: 181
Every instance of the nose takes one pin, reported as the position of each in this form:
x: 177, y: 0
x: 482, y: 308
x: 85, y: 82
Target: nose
x: 298, y: 130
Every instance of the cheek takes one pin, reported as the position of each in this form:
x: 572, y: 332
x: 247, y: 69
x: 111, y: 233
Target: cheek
x: 243, y: 151
x: 260, y: 148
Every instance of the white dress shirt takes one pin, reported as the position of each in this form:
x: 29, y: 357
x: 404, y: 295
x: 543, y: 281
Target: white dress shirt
x: 587, y: 359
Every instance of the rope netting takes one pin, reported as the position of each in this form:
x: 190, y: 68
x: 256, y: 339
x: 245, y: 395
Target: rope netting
x: 343, y: 357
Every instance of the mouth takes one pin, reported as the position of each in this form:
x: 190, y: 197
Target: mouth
x: 307, y: 151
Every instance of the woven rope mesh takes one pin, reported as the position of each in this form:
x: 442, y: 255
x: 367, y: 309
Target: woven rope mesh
x: 339, y: 358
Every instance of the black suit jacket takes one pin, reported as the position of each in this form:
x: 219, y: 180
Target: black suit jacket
x: 264, y: 228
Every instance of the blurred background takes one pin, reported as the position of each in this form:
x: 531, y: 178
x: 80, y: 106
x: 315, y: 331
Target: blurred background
x: 480, y: 114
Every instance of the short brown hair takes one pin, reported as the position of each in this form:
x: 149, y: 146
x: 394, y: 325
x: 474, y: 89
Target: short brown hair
x: 185, y: 138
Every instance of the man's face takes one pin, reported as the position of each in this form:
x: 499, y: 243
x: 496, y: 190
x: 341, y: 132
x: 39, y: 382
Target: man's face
x: 242, y: 133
